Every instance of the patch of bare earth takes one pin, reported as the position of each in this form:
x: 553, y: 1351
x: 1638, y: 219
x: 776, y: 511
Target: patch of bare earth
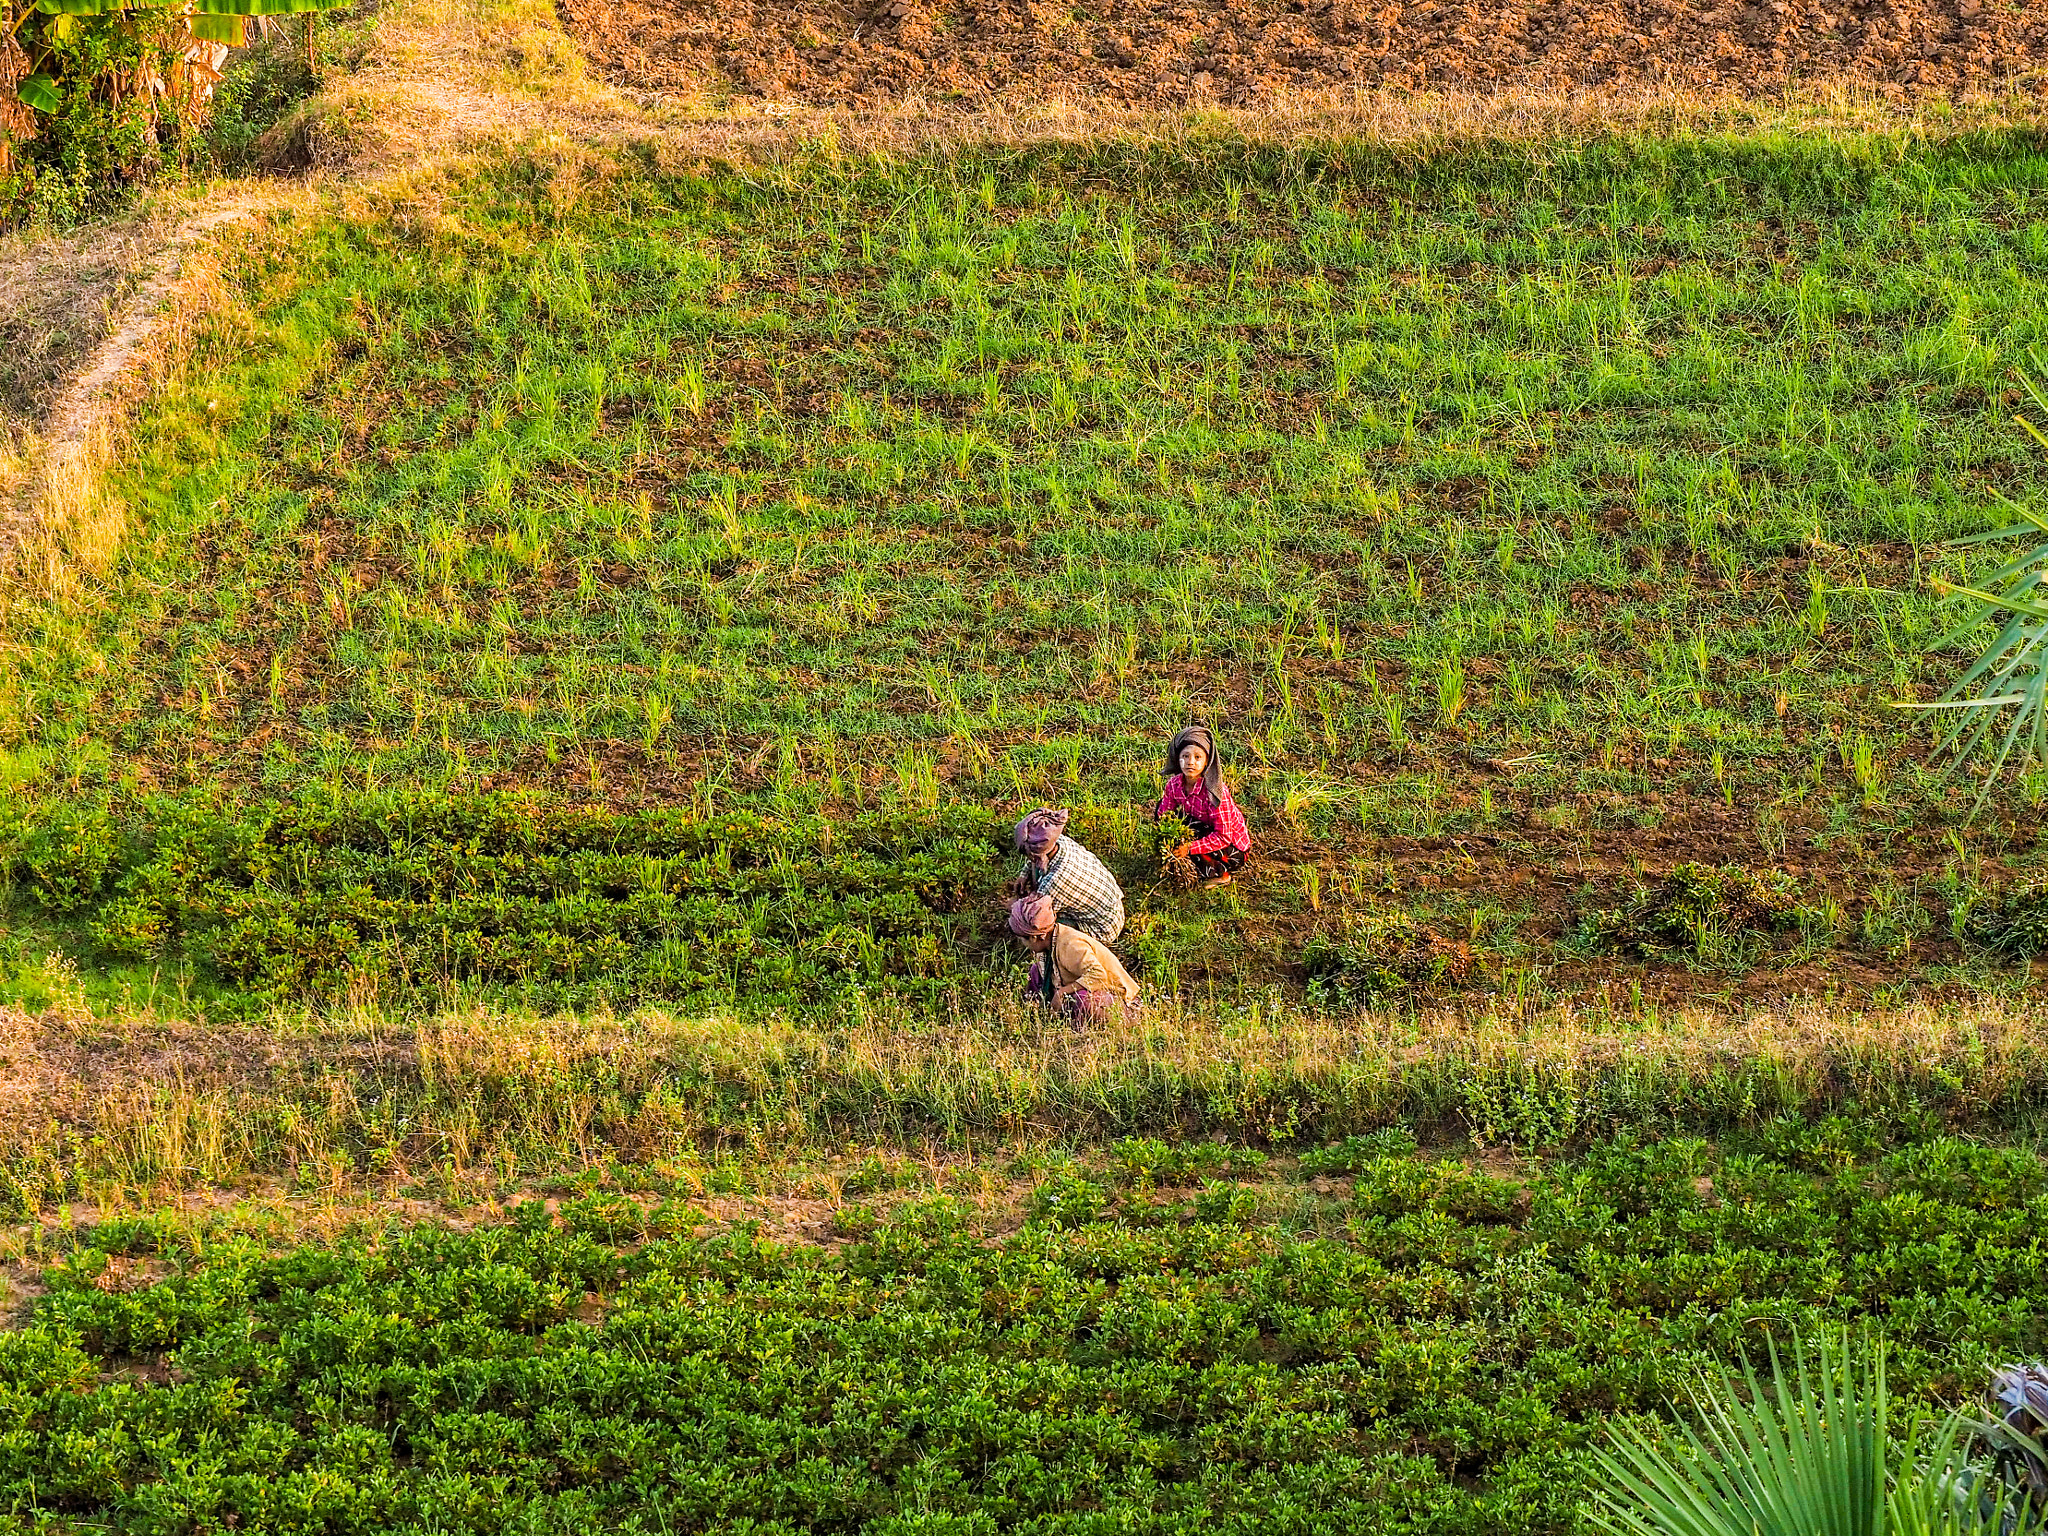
x: 1152, y: 53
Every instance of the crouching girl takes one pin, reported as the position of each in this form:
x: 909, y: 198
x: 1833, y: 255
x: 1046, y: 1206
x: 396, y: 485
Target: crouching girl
x: 1073, y: 973
x: 1196, y: 793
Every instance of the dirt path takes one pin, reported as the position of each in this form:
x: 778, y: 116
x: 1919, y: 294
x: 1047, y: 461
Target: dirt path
x: 69, y: 450
x: 57, y: 294
x: 1169, y: 52
x: 78, y: 308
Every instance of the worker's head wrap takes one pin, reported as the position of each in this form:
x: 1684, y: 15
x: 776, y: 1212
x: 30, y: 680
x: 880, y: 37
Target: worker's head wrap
x: 1031, y: 917
x: 1039, y: 834
x: 1212, y: 772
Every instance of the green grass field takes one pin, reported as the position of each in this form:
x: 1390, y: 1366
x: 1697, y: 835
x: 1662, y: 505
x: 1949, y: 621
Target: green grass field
x: 1523, y: 517
x: 533, y: 718
x: 972, y: 479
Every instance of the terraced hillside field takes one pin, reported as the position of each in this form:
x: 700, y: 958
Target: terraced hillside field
x: 1548, y: 535
x: 505, y: 1015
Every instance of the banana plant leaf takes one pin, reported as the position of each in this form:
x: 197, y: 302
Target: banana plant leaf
x: 270, y: 7
x: 2011, y: 674
x: 216, y: 21
x: 40, y: 92
x: 209, y: 27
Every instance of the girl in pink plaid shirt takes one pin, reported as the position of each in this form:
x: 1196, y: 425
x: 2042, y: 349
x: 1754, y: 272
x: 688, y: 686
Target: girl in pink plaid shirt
x: 1196, y: 793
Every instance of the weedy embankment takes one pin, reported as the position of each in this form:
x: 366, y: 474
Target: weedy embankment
x: 483, y: 1101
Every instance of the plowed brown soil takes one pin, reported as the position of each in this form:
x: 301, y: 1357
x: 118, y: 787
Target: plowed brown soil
x: 1150, y: 53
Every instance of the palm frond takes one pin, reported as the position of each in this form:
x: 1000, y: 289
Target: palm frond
x: 2008, y: 682
x: 1803, y: 1455
x: 1809, y: 1452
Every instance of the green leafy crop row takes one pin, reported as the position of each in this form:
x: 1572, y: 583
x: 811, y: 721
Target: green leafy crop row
x: 565, y: 904
x: 1170, y: 1367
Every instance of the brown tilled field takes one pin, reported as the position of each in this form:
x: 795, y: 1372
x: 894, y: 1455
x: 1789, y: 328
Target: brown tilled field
x: 1138, y: 53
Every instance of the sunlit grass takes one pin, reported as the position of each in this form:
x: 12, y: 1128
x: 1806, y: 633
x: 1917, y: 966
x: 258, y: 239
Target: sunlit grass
x: 482, y: 1099
x: 1527, y: 494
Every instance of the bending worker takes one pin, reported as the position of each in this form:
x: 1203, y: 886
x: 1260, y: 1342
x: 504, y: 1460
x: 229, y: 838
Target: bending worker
x: 1083, y: 892
x: 1071, y: 973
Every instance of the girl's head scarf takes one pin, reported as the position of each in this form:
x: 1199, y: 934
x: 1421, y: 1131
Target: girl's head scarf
x: 1212, y: 772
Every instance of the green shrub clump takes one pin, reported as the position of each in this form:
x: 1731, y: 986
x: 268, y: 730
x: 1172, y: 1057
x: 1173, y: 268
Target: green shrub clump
x: 2016, y: 924
x: 259, y: 92
x: 1713, y: 915
x: 65, y: 855
x: 1380, y: 957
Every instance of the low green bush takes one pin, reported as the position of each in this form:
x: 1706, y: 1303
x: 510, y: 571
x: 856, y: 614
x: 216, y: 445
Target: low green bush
x: 1143, y: 1161
x: 1379, y: 957
x: 562, y: 905
x: 1447, y: 1368
x: 1355, y: 1153
x: 1717, y: 916
x: 64, y: 855
x: 260, y: 89
x: 1067, y: 1200
x: 2015, y: 924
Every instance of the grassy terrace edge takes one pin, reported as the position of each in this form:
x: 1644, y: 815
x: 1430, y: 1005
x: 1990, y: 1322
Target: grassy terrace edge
x: 489, y: 1099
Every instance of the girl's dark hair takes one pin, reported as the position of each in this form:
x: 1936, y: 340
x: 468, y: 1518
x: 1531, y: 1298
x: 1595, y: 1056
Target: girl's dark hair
x: 1212, y: 772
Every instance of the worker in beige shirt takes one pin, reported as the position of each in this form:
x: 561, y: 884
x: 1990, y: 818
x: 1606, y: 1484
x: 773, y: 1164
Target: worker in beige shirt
x: 1074, y: 972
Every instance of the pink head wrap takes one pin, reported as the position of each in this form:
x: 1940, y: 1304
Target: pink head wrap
x: 1039, y: 833
x: 1031, y: 916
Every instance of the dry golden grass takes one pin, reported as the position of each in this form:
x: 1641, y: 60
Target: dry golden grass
x: 60, y: 297
x: 59, y: 294
x: 59, y: 527
x: 347, y: 1102
x: 1416, y: 121
x: 18, y: 453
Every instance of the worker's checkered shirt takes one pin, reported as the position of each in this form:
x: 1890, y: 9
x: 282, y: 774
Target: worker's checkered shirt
x: 1083, y: 893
